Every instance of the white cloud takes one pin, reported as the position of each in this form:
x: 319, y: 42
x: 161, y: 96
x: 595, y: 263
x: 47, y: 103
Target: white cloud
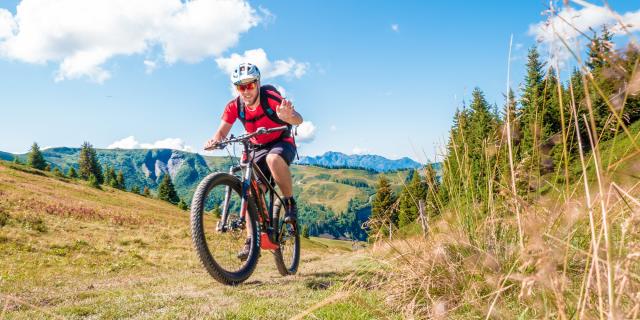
x: 150, y: 66
x: 282, y: 91
x: 7, y: 24
x: 395, y: 27
x: 570, y: 23
x: 168, y: 143
x: 268, y: 69
x: 130, y: 142
x: 82, y: 35
x: 333, y: 128
x: 306, y: 132
x: 359, y: 150
x: 267, y: 17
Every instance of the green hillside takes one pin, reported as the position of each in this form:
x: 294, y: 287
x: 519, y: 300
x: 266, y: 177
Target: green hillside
x: 72, y: 251
x: 6, y: 156
x: 140, y: 167
x: 329, y: 187
x: 332, y: 201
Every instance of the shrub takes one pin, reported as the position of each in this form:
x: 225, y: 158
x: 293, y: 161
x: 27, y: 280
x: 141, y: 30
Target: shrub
x: 93, y: 181
x: 4, y: 218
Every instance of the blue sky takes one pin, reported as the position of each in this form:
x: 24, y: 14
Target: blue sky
x: 381, y: 77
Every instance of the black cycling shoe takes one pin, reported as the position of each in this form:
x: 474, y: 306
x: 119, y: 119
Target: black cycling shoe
x: 291, y: 211
x: 244, y: 253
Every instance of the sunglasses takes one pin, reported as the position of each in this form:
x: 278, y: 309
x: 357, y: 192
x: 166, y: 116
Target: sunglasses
x: 245, y: 87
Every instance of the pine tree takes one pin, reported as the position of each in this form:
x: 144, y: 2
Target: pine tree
x: 382, y: 207
x: 551, y: 133
x: 88, y: 163
x: 305, y: 231
x: 57, y: 172
x: 409, y: 198
x: 182, y: 205
x: 455, y: 164
x: 120, y: 180
x: 551, y: 113
x: 146, y: 192
x: 71, y: 173
x: 111, y: 179
x: 599, y: 63
x: 531, y: 102
x: 47, y: 168
x: 504, y: 165
x: 16, y: 160
x: 481, y: 144
x: 166, y: 190
x: 135, y: 189
x: 577, y: 87
x: 599, y: 50
x: 35, y: 159
x: 107, y: 175
x: 482, y: 123
x: 432, y: 204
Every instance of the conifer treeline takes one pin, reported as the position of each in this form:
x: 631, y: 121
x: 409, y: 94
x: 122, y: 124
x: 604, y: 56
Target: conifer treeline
x: 542, y: 127
x: 542, y: 131
x: 390, y: 211
x: 90, y: 169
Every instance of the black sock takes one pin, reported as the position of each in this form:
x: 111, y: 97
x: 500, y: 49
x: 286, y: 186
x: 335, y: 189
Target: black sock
x: 289, y: 201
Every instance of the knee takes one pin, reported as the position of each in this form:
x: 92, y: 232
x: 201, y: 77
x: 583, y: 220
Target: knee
x: 274, y: 160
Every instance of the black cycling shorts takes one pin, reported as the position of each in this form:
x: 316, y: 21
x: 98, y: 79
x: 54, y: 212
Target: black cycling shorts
x: 285, y: 150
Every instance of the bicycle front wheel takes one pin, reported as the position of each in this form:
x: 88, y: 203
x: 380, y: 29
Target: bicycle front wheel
x: 287, y: 256
x: 219, y: 239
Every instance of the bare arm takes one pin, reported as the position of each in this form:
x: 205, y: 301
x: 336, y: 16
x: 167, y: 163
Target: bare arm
x: 223, y: 131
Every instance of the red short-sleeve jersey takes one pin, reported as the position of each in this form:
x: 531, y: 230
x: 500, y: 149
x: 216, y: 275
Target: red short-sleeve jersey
x: 272, y: 100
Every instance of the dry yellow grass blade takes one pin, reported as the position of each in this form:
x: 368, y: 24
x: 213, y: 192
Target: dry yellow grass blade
x: 327, y: 301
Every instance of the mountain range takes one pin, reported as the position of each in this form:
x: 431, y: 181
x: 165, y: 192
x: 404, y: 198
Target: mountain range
x: 376, y: 163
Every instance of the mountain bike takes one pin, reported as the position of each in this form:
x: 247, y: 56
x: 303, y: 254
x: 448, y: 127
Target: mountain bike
x: 230, y: 209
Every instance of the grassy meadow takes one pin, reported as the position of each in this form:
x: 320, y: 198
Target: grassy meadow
x: 71, y: 251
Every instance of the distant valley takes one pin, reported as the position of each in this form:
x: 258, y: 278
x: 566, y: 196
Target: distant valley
x: 333, y: 190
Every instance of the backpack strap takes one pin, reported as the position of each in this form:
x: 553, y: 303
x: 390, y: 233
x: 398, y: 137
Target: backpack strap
x: 241, y: 115
x: 264, y: 103
x: 265, y: 95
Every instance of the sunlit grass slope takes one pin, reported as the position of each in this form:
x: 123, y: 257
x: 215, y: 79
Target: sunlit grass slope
x: 72, y: 251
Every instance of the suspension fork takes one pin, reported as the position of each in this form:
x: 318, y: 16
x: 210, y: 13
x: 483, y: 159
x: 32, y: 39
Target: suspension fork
x: 222, y: 224
x: 246, y: 186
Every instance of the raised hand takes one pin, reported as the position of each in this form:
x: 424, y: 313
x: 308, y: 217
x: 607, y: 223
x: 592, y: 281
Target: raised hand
x: 285, y: 110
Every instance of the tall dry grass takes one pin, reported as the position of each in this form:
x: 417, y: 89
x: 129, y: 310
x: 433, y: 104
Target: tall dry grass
x: 570, y: 253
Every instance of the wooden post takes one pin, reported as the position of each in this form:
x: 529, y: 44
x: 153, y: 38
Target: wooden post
x: 423, y: 218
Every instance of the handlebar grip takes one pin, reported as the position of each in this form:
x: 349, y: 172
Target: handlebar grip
x: 216, y: 146
x: 281, y: 128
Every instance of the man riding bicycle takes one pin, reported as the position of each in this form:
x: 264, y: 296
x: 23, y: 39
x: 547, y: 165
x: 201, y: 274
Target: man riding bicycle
x: 262, y: 106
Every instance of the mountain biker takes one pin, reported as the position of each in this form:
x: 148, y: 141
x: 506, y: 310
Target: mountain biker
x: 262, y: 106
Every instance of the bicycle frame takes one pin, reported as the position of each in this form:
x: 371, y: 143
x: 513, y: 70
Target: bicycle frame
x: 269, y: 236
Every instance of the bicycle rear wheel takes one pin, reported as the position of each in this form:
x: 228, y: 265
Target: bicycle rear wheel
x: 287, y: 256
x: 218, y: 245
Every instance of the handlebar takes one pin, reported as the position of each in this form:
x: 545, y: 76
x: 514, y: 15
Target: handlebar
x: 246, y: 137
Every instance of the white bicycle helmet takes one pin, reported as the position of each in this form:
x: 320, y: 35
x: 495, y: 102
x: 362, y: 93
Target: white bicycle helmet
x: 245, y: 72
